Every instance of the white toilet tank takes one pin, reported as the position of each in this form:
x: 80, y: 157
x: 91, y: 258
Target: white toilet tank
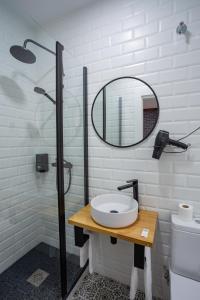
x: 185, y: 247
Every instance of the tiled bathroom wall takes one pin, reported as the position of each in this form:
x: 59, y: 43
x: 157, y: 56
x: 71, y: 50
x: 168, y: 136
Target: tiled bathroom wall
x: 20, y: 226
x: 28, y: 201
x: 138, y: 38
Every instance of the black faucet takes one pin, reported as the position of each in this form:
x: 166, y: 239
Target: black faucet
x: 133, y: 183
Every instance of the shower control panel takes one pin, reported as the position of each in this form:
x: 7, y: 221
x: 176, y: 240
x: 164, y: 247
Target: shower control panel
x: 42, y: 162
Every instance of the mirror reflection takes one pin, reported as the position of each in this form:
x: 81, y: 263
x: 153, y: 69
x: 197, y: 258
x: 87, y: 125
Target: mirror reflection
x: 125, y: 112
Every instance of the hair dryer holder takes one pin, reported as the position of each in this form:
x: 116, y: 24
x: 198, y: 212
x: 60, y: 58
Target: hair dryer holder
x: 162, y: 140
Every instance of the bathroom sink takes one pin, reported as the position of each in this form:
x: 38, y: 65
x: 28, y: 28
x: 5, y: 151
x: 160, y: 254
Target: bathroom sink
x: 114, y: 210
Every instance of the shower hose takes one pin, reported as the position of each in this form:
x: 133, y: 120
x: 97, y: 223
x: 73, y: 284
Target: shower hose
x: 67, y: 165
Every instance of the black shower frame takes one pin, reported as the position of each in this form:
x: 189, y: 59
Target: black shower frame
x: 60, y: 168
x: 104, y: 113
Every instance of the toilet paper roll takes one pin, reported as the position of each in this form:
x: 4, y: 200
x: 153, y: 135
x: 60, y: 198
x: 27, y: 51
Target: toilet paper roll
x: 185, y: 211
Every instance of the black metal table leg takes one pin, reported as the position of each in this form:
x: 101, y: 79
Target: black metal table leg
x: 139, y: 258
x: 80, y: 236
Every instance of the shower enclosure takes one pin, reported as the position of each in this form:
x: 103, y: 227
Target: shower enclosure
x: 43, y: 115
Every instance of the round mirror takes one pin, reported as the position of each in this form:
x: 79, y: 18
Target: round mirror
x: 125, y: 112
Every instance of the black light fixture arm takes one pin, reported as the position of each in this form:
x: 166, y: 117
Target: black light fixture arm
x: 37, y: 44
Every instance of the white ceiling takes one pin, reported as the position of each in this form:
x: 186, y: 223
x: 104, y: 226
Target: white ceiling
x: 44, y: 11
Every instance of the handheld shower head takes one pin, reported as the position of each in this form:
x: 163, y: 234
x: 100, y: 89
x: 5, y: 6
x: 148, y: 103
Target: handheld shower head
x: 41, y: 91
x: 162, y: 140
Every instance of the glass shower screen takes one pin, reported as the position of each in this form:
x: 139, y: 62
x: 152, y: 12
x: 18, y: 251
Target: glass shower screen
x: 29, y: 239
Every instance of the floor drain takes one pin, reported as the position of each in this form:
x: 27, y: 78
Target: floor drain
x: 114, y: 211
x: 37, y: 277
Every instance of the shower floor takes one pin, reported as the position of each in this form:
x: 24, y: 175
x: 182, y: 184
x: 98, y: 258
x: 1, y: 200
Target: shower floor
x: 45, y: 283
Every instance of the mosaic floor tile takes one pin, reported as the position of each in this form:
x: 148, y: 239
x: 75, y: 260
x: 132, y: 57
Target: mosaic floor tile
x: 97, y: 287
x: 13, y: 281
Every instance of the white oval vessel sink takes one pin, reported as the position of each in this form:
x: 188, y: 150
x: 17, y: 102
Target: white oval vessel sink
x: 114, y: 210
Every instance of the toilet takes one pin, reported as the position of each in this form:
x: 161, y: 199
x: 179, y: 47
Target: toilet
x: 185, y: 259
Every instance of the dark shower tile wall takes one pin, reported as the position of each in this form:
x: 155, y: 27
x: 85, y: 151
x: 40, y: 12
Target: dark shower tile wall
x: 13, y: 281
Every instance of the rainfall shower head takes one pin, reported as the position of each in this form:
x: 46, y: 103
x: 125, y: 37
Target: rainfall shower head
x: 22, y: 54
x: 41, y: 91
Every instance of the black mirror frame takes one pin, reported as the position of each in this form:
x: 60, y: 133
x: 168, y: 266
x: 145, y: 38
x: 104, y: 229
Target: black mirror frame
x: 123, y: 77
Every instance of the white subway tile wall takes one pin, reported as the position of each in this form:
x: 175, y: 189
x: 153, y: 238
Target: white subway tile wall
x: 28, y: 200
x: 20, y: 226
x: 138, y: 38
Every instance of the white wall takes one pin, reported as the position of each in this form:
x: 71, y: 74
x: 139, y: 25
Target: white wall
x: 28, y: 200
x: 19, y: 220
x: 138, y: 38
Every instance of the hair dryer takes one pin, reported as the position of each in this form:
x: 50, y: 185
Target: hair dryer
x: 162, y: 140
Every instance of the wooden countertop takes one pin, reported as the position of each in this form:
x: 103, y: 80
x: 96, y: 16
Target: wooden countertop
x: 146, y: 219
